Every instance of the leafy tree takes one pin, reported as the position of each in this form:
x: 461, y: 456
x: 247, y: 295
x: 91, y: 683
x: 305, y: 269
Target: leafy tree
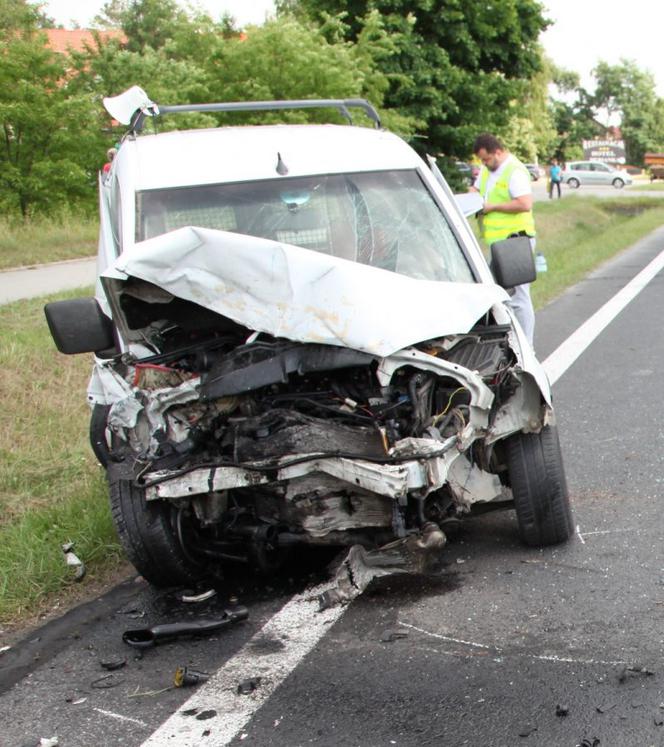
x: 573, y: 115
x: 629, y: 93
x: 456, y: 67
x: 288, y: 59
x: 49, y: 143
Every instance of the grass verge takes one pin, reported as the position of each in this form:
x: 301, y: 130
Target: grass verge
x: 577, y: 234
x: 46, y: 240
x: 52, y: 490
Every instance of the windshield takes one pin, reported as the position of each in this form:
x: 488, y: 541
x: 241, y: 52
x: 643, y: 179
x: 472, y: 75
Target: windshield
x: 385, y: 219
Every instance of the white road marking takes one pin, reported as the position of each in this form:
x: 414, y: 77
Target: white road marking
x: 501, y: 652
x: 579, y: 535
x: 448, y: 638
x: 119, y: 717
x: 567, y: 352
x: 292, y: 632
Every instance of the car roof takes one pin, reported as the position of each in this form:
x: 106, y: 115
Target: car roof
x: 249, y: 153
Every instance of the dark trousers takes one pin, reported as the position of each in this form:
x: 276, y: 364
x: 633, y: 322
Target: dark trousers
x: 551, y: 186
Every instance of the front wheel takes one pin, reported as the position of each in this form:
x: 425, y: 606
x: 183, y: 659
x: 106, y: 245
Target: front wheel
x: 539, y: 487
x: 573, y: 183
x: 153, y: 535
x: 618, y: 183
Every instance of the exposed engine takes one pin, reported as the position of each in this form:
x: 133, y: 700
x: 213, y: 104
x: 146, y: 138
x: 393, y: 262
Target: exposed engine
x: 261, y: 439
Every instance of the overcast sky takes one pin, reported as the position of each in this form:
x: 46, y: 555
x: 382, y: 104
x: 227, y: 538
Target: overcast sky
x: 83, y: 11
x: 584, y: 31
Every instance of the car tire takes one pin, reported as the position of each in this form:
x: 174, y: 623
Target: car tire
x: 573, y: 183
x: 539, y: 487
x: 148, y: 532
x: 618, y: 183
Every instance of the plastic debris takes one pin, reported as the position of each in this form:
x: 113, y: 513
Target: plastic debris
x: 185, y: 677
x: 4, y: 648
x: 562, y: 710
x: 527, y: 731
x: 73, y: 560
x: 147, y: 637
x: 52, y: 742
x: 248, y: 686
x: 592, y: 742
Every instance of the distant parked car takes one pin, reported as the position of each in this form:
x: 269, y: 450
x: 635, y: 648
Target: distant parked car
x: 468, y: 170
x: 534, y: 170
x: 590, y: 173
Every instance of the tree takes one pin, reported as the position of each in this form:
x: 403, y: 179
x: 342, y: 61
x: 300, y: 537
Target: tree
x: 49, y: 147
x: 456, y: 67
x: 628, y: 93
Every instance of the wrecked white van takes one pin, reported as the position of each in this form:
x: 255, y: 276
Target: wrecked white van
x: 298, y: 341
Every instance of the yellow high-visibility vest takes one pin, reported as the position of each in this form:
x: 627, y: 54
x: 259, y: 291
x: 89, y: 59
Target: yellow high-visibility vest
x: 497, y: 226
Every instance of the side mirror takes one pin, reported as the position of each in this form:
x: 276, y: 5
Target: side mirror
x: 79, y: 326
x: 512, y: 262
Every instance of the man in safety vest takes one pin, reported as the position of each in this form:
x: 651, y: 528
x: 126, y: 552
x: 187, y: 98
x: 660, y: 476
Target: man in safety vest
x: 504, y: 183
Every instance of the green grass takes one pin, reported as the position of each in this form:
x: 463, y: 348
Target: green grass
x: 647, y: 187
x: 577, y: 234
x: 46, y: 240
x: 51, y: 489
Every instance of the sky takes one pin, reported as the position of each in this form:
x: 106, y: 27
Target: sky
x: 583, y: 32
x: 83, y: 11
x: 587, y: 31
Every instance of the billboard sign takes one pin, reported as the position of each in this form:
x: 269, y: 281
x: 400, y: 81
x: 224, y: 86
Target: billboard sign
x: 606, y: 151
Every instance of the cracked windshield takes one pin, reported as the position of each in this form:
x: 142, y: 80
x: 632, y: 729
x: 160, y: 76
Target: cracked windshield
x: 383, y: 219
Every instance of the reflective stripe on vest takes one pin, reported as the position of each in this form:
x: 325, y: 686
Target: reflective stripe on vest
x: 497, y: 226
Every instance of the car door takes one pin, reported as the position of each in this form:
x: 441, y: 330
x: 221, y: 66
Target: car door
x: 600, y: 173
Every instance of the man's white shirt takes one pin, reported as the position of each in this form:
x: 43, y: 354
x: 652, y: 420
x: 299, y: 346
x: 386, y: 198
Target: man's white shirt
x: 519, y: 184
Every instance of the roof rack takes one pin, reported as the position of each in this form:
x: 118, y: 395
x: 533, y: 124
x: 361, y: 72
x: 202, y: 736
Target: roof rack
x: 342, y: 105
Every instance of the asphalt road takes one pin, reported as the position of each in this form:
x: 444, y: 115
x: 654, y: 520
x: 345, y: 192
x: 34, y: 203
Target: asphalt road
x: 505, y: 645
x: 37, y: 280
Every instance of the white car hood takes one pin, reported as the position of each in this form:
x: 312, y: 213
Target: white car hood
x: 303, y: 295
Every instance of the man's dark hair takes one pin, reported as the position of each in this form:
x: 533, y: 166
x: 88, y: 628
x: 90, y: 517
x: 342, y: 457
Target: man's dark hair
x: 489, y: 142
